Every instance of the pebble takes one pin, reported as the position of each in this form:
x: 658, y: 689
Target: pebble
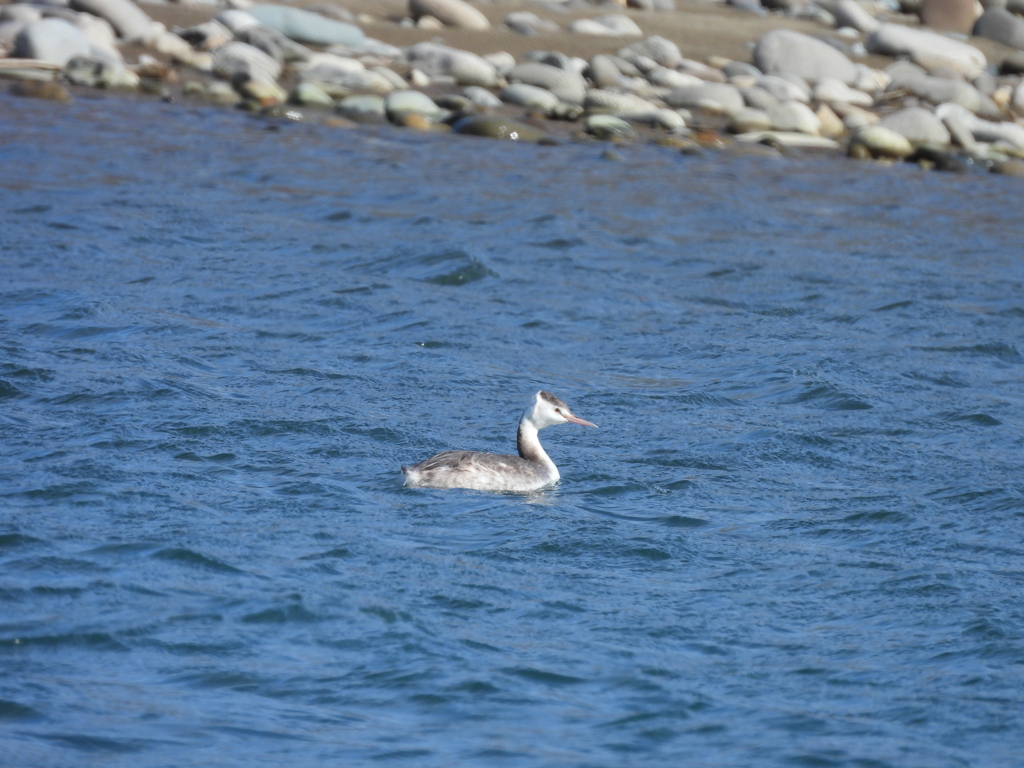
x: 99, y: 73
x: 611, y: 24
x: 785, y: 51
x: 223, y: 94
x: 130, y: 21
x: 607, y: 127
x: 784, y: 89
x: 495, y: 127
x: 305, y: 26
x: 659, y: 49
x: 263, y: 92
x: 926, y: 48
x: 452, y: 13
x: 529, y: 96
x: 984, y: 130
x: 603, y: 72
x: 399, y: 103
x: 207, y: 36
x: 1002, y: 26
x: 850, y: 13
x: 829, y: 89
x: 786, y: 139
x: 831, y: 125
x: 481, y: 97
x: 529, y: 24
x: 717, y: 97
x: 236, y: 21
x: 758, y: 98
x: 948, y: 15
x: 670, y: 78
x: 242, y: 61
x: 363, y: 109
x: 794, y: 117
x: 749, y: 120
x: 440, y: 60
x: 52, y: 40
x: 880, y: 142
x: 917, y: 124
x: 310, y: 94
x: 569, y: 87
x: 40, y: 89
x: 1011, y: 167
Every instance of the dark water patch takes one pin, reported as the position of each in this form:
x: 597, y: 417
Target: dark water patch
x: 12, y: 710
x: 544, y: 677
x: 187, y: 557
x: 998, y: 350
x: 16, y: 540
x: 91, y: 641
x: 830, y: 397
x: 98, y: 744
x: 290, y: 614
x: 981, y: 419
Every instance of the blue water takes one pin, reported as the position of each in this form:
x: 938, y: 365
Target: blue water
x: 796, y: 539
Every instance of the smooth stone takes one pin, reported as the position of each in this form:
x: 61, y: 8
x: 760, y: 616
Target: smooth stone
x: 529, y: 96
x: 236, y: 20
x: 305, y: 26
x: 785, y: 89
x: 481, y: 97
x: 984, y: 130
x: 363, y: 108
x: 310, y: 94
x: 22, y: 12
x: 870, y: 80
x: 618, y: 103
x: 758, y: 98
x: 396, y: 80
x: 440, y: 60
x: 99, y: 73
x: 959, y: 132
x: 529, y: 24
x: 1002, y: 26
x: 130, y: 21
x: 614, y: 24
x: 40, y: 89
x: 1017, y: 99
x: 785, y: 51
x: 918, y: 125
x: 608, y: 127
x: 263, y: 92
x: 495, y: 127
x: 702, y: 71
x: 1011, y: 167
x: 9, y: 31
x: 670, y: 78
x: 603, y: 72
x: 939, y: 90
x: 52, y: 40
x: 659, y: 49
x: 948, y: 15
x: 398, y: 103
x: 267, y: 39
x: 926, y: 48
x: 717, y: 97
x: 831, y: 125
x: 567, y: 86
x: 207, y: 36
x: 451, y: 13
x: 242, y: 61
x: 332, y: 11
x: 787, y: 139
x: 748, y: 120
x: 882, y: 142
x: 222, y: 94
x: 502, y: 61
x: 737, y: 68
x: 429, y: 22
x: 830, y: 90
x: 794, y: 117
x: 850, y: 13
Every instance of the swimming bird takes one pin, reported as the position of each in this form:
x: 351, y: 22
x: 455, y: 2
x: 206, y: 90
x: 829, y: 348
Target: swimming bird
x: 531, y: 470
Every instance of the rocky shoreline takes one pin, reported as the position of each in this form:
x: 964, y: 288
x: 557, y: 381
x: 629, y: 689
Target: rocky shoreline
x: 860, y: 77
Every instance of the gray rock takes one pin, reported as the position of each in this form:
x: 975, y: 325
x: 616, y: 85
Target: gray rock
x: 130, y: 21
x: 850, y: 13
x: 615, y: 24
x: 207, y: 36
x: 99, y: 73
x: 787, y: 139
x: 603, y: 72
x: 626, y: 105
x: 481, y: 97
x: 341, y: 76
x: 785, y: 51
x: 938, y: 90
x: 363, y: 109
x: 529, y: 96
x: 241, y: 61
x: 758, y: 98
x: 663, y: 51
x: 959, y: 132
x: 928, y: 49
x: 670, y: 78
x: 739, y: 68
x: 830, y: 90
x: 310, y: 95
x: 947, y: 15
x: 985, y: 83
x: 749, y: 119
x: 494, y: 127
x: 439, y: 60
x: 236, y: 20
x: 717, y: 97
x: 794, y: 117
x: 304, y: 26
x: 332, y: 11
x: 984, y: 130
x: 391, y: 76
x: 397, y: 104
x: 918, y: 125
x: 451, y: 13
x: 784, y: 89
x: 26, y: 14
x: 529, y: 24
x: 9, y: 31
x: 882, y: 142
x: 1002, y: 26
x: 52, y: 40
x: 567, y: 86
x: 608, y: 127
x: 267, y: 39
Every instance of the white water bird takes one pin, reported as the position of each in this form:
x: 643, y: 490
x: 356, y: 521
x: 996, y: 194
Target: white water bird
x: 531, y: 470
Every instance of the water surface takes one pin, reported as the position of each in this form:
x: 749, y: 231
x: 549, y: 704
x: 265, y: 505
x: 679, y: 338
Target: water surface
x: 796, y: 539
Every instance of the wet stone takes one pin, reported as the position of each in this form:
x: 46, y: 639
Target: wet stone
x: 494, y: 127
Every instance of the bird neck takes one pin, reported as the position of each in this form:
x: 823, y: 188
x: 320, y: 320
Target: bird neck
x: 529, y: 445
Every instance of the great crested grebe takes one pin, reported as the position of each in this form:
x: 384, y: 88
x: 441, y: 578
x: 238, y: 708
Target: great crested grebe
x: 531, y: 470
